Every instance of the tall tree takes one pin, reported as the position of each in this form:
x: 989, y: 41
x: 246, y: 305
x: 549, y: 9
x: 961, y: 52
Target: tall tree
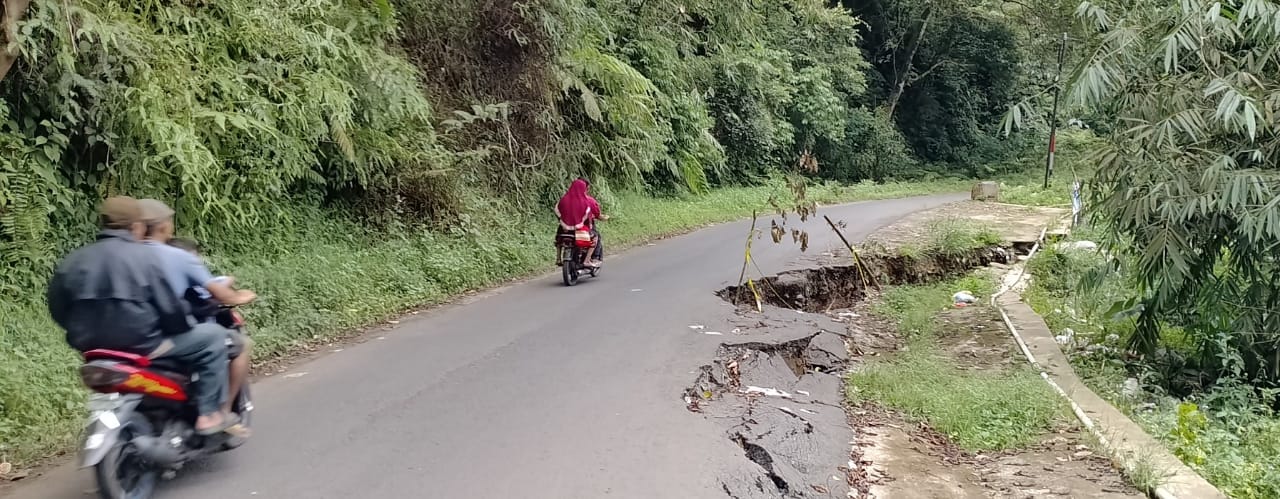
x: 895, y: 31
x: 943, y: 71
x: 13, y: 12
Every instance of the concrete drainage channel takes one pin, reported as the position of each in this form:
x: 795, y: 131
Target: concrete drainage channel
x: 779, y: 392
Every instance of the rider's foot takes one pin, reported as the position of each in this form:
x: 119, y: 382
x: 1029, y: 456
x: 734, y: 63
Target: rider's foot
x: 209, y: 421
x: 210, y: 424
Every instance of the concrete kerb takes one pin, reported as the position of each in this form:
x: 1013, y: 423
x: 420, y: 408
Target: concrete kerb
x: 1122, y: 439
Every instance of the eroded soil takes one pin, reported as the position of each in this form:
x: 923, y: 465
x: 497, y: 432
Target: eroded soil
x: 901, y: 459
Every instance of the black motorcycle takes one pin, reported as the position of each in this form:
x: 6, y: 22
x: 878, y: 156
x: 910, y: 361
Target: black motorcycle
x: 142, y: 421
x: 572, y: 248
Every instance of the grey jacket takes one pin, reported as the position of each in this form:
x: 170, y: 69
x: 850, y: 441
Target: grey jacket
x: 113, y: 295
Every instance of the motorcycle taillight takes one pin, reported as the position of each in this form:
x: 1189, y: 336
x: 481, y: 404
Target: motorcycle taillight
x: 102, y: 375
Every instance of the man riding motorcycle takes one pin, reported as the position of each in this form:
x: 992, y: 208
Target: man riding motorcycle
x: 186, y: 272
x: 113, y: 294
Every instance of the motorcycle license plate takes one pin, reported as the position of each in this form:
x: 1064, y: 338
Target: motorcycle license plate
x: 99, y: 402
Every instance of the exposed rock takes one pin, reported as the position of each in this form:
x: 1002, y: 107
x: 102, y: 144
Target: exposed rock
x: 826, y: 351
x: 985, y: 191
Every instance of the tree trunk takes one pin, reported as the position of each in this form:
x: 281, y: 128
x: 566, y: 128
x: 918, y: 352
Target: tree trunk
x: 902, y: 76
x: 13, y: 12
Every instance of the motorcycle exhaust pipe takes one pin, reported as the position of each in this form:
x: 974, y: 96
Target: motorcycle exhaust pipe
x: 158, y: 450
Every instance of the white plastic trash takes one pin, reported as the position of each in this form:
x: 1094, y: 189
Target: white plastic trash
x: 772, y: 392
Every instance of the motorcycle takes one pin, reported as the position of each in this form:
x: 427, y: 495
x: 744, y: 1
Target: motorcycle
x: 141, y: 426
x: 571, y: 248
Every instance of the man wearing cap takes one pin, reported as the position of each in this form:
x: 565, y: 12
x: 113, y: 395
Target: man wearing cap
x: 184, y: 270
x: 113, y: 294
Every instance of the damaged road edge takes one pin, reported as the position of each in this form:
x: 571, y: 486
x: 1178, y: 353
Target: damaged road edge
x: 787, y: 417
x: 787, y: 412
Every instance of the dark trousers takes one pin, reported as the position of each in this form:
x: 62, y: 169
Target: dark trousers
x: 203, y: 351
x: 598, y: 255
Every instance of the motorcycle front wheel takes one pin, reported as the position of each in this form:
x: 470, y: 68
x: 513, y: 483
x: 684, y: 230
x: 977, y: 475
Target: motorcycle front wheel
x: 122, y: 473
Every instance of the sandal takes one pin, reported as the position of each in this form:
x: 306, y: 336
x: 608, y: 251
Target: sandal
x: 228, y: 420
x: 238, y: 431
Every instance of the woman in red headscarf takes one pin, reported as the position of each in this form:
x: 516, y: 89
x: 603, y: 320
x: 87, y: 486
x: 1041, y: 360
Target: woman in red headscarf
x: 577, y: 209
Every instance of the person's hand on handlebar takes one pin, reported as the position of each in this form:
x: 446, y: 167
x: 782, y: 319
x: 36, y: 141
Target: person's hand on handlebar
x: 221, y: 290
x: 244, y: 296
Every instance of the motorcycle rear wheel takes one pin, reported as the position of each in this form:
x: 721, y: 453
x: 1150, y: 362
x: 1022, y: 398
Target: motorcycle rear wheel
x: 122, y: 474
x: 570, y: 268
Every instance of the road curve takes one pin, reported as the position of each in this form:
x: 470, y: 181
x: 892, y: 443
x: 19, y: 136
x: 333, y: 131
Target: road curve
x: 531, y: 391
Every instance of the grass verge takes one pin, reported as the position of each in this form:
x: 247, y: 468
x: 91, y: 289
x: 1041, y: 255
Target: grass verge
x: 913, y: 308
x: 978, y: 410
x: 325, y: 275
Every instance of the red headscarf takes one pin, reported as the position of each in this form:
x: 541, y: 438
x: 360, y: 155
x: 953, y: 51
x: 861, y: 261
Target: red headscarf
x: 575, y: 207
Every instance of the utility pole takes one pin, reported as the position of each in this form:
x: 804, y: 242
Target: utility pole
x: 1053, y: 117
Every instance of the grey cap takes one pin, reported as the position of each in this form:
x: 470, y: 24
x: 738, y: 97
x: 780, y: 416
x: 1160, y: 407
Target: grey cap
x: 154, y: 211
x: 119, y: 212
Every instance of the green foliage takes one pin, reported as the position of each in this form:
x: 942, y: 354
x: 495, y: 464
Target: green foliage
x: 1235, y: 448
x: 1023, y: 177
x: 1191, y: 423
x: 1226, y: 431
x: 224, y: 109
x: 1188, y: 184
x: 980, y: 411
x: 873, y: 149
x: 956, y: 236
x: 220, y: 110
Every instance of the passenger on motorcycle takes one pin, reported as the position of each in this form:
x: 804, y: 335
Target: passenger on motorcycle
x: 576, y: 210
x: 206, y: 308
x: 113, y: 294
x: 188, y: 275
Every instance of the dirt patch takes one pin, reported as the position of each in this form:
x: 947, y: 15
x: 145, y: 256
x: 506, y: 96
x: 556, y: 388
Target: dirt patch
x: 975, y: 339
x: 1015, y: 224
x: 902, y: 459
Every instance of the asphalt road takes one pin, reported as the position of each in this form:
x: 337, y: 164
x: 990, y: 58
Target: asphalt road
x: 531, y: 391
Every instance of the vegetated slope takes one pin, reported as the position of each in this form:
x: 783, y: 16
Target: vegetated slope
x: 347, y: 158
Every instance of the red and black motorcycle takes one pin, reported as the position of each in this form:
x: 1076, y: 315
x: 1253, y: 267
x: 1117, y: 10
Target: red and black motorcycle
x: 571, y: 248
x: 142, y: 423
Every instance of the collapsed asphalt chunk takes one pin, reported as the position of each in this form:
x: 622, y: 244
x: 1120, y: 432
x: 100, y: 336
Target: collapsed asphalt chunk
x: 785, y: 415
